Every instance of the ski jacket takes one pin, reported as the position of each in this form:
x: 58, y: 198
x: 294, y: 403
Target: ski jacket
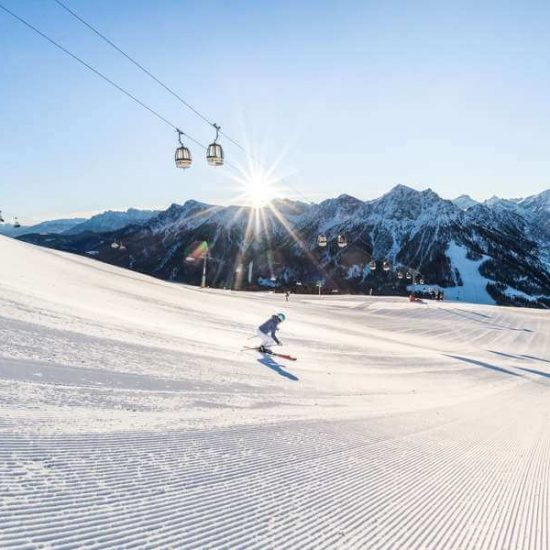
x: 270, y: 327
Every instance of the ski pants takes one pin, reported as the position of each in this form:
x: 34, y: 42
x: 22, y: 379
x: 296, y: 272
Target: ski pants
x: 266, y: 339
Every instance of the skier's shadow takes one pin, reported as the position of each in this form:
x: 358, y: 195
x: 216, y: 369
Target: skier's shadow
x: 269, y: 362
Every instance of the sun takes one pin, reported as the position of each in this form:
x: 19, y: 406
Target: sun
x: 258, y: 187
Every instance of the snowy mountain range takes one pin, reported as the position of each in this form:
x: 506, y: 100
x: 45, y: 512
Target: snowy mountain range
x: 464, y: 202
x: 492, y: 252
x: 110, y: 220
x: 49, y: 227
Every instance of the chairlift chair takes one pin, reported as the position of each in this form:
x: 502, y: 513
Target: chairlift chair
x: 386, y: 265
x: 16, y: 223
x: 342, y: 241
x: 322, y: 240
x: 372, y: 265
x: 399, y: 275
x: 214, y: 153
x: 183, y: 154
x: 408, y: 276
x: 1, y: 218
x: 115, y: 245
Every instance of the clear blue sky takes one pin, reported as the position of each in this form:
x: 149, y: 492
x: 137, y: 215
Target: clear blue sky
x: 356, y: 96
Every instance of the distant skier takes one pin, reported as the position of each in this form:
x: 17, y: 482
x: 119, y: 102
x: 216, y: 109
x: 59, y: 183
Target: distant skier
x: 287, y: 295
x: 266, y: 332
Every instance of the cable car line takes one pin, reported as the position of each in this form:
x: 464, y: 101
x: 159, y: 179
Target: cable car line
x: 149, y: 74
x: 218, y: 158
x: 101, y: 75
x: 214, y: 150
x: 136, y: 63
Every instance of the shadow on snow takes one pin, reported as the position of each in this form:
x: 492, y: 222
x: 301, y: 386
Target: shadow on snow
x: 521, y: 357
x: 482, y: 364
x: 468, y: 315
x: 269, y: 362
x: 533, y: 371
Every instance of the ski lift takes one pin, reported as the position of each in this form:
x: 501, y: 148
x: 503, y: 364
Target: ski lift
x: 115, y: 245
x: 122, y: 246
x: 214, y: 153
x: 386, y: 265
x: 399, y: 275
x: 408, y: 276
x: 372, y: 265
x: 183, y: 154
x: 16, y: 223
x: 342, y: 241
x: 322, y: 240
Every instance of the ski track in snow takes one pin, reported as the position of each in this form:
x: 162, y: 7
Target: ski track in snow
x: 129, y: 417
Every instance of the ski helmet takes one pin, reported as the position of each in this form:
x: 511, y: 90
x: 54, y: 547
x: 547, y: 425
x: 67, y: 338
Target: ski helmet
x: 281, y: 316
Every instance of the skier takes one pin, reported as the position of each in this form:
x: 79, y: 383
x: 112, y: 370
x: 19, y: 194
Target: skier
x: 287, y: 295
x: 266, y: 332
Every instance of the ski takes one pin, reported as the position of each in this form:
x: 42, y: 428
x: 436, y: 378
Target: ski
x: 269, y: 352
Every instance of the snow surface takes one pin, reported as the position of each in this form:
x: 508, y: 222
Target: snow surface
x: 130, y: 417
x: 474, y: 287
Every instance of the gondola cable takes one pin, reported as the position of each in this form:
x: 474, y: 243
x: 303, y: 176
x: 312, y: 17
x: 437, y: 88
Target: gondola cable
x: 213, y: 159
x: 101, y: 75
x: 150, y: 75
x: 134, y: 98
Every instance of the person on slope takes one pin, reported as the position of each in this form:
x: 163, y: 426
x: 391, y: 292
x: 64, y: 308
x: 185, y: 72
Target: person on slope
x: 266, y: 332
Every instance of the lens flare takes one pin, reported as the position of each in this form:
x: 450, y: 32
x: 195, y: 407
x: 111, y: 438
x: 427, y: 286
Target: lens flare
x: 196, y: 251
x: 258, y: 188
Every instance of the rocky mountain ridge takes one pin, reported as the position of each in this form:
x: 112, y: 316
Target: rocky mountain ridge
x: 494, y: 252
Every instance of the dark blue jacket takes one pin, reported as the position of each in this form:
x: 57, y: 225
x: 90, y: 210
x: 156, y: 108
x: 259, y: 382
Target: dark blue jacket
x: 270, y: 327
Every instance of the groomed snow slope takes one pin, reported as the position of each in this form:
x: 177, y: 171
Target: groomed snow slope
x: 130, y: 417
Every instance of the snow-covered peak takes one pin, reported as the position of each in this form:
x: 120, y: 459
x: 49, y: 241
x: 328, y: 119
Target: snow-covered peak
x: 464, y: 202
x: 400, y: 188
x: 288, y: 208
x: 495, y: 201
x: 336, y: 211
x: 342, y: 205
x: 405, y: 203
x: 537, y: 203
x: 177, y: 215
x: 113, y: 220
